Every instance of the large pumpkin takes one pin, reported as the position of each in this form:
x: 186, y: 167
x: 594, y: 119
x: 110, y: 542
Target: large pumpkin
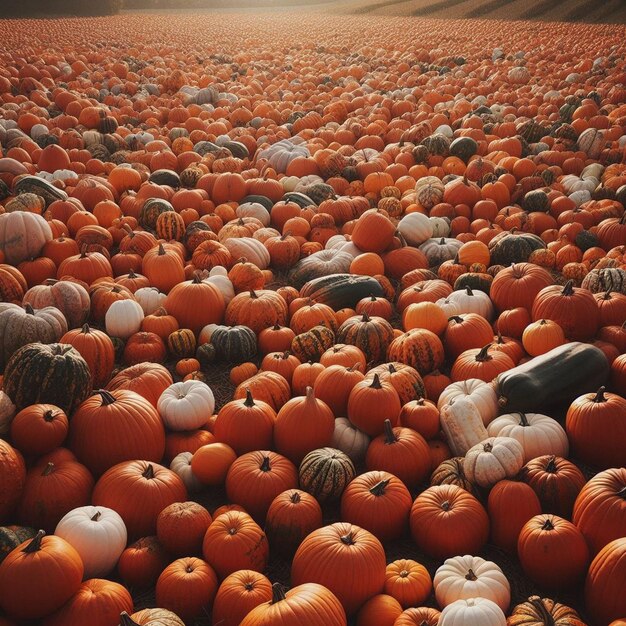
x: 22, y: 235
x: 149, y: 380
x: 337, y: 556
x: 238, y: 594
x: 12, y: 478
x: 605, y: 581
x: 195, y: 303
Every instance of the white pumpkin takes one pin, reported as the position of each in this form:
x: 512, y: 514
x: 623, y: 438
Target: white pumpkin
x: 150, y: 299
x: 462, y: 424
x: 472, y: 612
x: 249, y: 248
x: 265, y: 233
x: 449, y: 307
x: 186, y: 405
x: 580, y: 197
x: 283, y: 152
x: 592, y: 142
x: 594, y: 170
x: 224, y: 284
x: 336, y: 241
x: 123, y: 318
x: 98, y: 534
x: 538, y: 434
x: 464, y: 577
x: 572, y: 183
x: 349, y: 439
x: 473, y: 301
x: 254, y: 209
x: 23, y: 235
x: 479, y: 392
x: 206, y: 332
x: 492, y: 460
x: 7, y: 413
x: 416, y: 228
x: 181, y: 465
x: 218, y: 270
x: 440, y: 226
x: 289, y: 183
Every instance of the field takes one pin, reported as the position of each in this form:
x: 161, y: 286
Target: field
x: 329, y: 298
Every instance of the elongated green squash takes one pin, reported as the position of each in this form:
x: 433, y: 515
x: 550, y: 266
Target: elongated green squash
x: 555, y: 378
x: 339, y: 291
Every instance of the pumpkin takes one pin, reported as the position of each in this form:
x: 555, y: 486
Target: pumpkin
x: 98, y: 535
x: 302, y: 425
x: 603, y: 497
x: 256, y: 310
x: 245, y: 425
x: 350, y: 440
x: 307, y: 603
x: 422, y: 616
x: 310, y: 346
x: 446, y: 520
x: 480, y: 363
x: 151, y: 617
x: 510, y: 506
x: 181, y: 527
x: 538, y: 434
x: 462, y: 424
x: 552, y: 551
x: 54, y: 374
x: 187, y: 587
x: 195, y: 303
x: 492, y: 460
x: 419, y: 348
x: 115, y: 426
x: 518, y: 285
x: 12, y: 478
x: 186, y: 405
x: 235, y: 344
x: 408, y: 582
x: 142, y: 562
x: 123, y: 318
x: 601, y: 447
x: 556, y: 481
x: 239, y: 593
x: 370, y: 403
x: 542, y: 612
x: 97, y: 349
x: 138, y: 491
x: 607, y: 570
x: 23, y: 235
x: 19, y: 326
x: 371, y: 335
x: 47, y: 566
x: 234, y: 541
x: 39, y: 429
x: 149, y: 380
x: 334, y: 556
x: 464, y: 577
x: 478, y: 392
x: 325, y: 473
x: 473, y: 611
x: 422, y: 416
x: 450, y: 472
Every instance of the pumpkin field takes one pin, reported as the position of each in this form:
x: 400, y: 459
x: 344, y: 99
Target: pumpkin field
x: 312, y: 321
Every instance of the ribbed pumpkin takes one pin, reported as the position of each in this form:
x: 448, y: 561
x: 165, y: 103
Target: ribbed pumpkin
x: 378, y: 502
x: 256, y: 309
x: 302, y: 425
x: 543, y: 612
x: 372, y: 335
x: 325, y: 473
x: 97, y: 349
x: 310, y: 346
x: 334, y: 385
x: 371, y: 403
x: 403, y: 378
x: 256, y: 478
x: 402, y: 452
x: 234, y: 344
x: 269, y: 387
x: 149, y: 380
x: 418, y: 348
x: 115, y: 426
x: 510, y: 506
x: 12, y: 478
x: 336, y: 556
x: 239, y: 593
x: 603, y: 597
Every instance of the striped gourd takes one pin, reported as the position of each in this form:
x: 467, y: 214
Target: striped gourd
x: 52, y: 373
x: 181, y: 343
x: 372, y: 335
x: 39, y: 186
x: 325, y: 473
x: 311, y: 345
x: 340, y: 291
x: 234, y: 344
x: 152, y: 208
x: 170, y: 226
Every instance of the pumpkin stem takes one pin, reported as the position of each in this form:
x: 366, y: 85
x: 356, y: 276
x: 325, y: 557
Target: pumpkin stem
x: 295, y: 498
x: 600, y: 397
x: 488, y: 447
x: 568, y: 289
x: 392, y: 369
x: 85, y: 330
x: 468, y: 291
x: 48, y: 415
x: 107, y: 396
x: 523, y: 421
x: 379, y: 488
x: 470, y: 575
x: 96, y: 517
x: 546, y: 616
x: 456, y: 319
x: 445, y: 505
x: 376, y: 383
x: 126, y: 620
x: 310, y: 396
x: 265, y: 466
x: 34, y: 545
x: 29, y: 309
x: 148, y: 472
x: 551, y: 465
x: 249, y: 401
x: 253, y: 294
x: 484, y: 355
x: 131, y: 273
x: 278, y: 593
x: 390, y: 436
x: 547, y: 525
x: 366, y: 317
x: 276, y: 327
x: 348, y: 539
x: 48, y: 469
x: 161, y: 250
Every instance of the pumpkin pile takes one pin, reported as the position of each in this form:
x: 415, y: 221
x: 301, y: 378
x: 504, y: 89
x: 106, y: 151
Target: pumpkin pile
x: 346, y: 304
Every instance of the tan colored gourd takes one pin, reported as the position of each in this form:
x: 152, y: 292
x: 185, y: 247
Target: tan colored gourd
x: 463, y: 425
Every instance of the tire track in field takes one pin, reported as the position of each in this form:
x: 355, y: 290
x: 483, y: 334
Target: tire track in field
x: 541, y: 8
x: 484, y: 9
x: 592, y: 11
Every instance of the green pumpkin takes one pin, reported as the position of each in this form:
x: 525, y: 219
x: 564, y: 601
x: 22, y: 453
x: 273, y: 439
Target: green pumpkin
x: 515, y: 247
x: 165, y: 177
x: 536, y: 201
x: 152, y: 208
x: 13, y: 536
x: 234, y: 344
x: 206, y: 354
x: 53, y: 373
x: 475, y: 281
x: 463, y: 148
x: 39, y: 186
x: 340, y: 291
x: 325, y: 473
